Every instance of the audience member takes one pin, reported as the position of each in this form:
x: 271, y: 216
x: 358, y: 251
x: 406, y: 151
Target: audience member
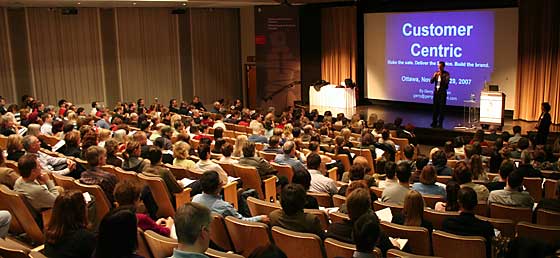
x: 450, y: 204
x: 273, y: 145
x: 205, y: 164
x: 319, y: 182
x: 516, y: 136
x: 421, y: 162
x: 439, y: 161
x: 181, y: 155
x: 14, y: 147
x: 292, y: 216
x: 66, y: 234
x: 463, y: 176
x: 287, y: 158
x: 132, y: 160
x: 390, y: 179
x: 552, y: 204
x: 32, y: 145
x: 111, y: 149
x: 155, y: 169
x: 192, y: 224
x: 505, y: 169
x: 94, y: 175
x: 39, y: 191
x: 512, y: 194
x: 525, y: 168
x: 250, y: 159
x: 413, y: 212
x: 227, y: 150
x: 427, y: 184
x: 366, y: 234
x: 5, y: 220
x: 304, y: 179
x: 8, y: 176
x: 475, y: 165
x: 117, y: 236
x: 396, y: 193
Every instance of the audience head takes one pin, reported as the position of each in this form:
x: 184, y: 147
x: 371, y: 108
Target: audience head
x: 181, y: 150
x: 515, y: 180
x: 313, y: 161
x: 367, y: 139
x: 273, y: 141
x: 192, y: 222
x: 413, y: 208
x: 249, y: 150
x: 525, y: 157
x: 29, y: 166
x: 421, y: 162
x: 462, y: 174
x: 385, y: 135
x: 469, y: 150
x: 96, y: 156
x: 288, y: 147
x: 428, y: 175
x: 545, y: 107
x: 409, y: 151
x: 31, y: 144
x: 127, y: 193
x: 403, y: 173
x: 210, y: 182
x: 117, y: 234
x: 523, y: 143
x: 302, y: 177
x: 517, y: 129
x: 68, y: 214
x: 467, y: 199
x: 439, y: 159
x: 357, y: 172
x: 14, y: 143
x: 154, y: 154
x: 218, y: 133
x: 452, y: 190
x: 358, y: 202
x: 227, y: 149
x: 366, y: 232
x: 476, y: 166
x: 292, y: 197
x: 390, y: 169
x: 506, y: 168
x: 204, y: 151
x: 133, y: 149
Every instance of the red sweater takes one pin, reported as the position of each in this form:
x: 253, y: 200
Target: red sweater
x: 147, y: 223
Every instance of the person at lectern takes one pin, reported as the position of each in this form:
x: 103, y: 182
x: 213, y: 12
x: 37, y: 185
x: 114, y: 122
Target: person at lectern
x: 543, y: 126
x: 441, y: 81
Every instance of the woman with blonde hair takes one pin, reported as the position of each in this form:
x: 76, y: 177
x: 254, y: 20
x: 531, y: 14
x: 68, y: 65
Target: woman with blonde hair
x: 413, y: 212
x: 14, y: 147
x: 287, y: 134
x: 181, y: 155
x: 104, y: 135
x: 239, y: 143
x: 347, y: 135
x: 121, y: 137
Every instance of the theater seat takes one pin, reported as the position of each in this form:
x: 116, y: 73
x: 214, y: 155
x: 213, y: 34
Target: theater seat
x: 402, y: 254
x: 549, y: 234
x: 218, y: 232
x: 548, y: 217
x: 450, y: 245
x: 338, y: 217
x: 160, y: 246
x: 260, y: 207
x: 161, y: 195
x: 514, y: 213
x: 246, y: 236
x: 437, y: 218
x: 252, y: 179
x: 298, y: 245
x: 418, y: 237
x: 338, y: 200
x: 323, y: 199
x: 335, y: 248
x: 217, y: 254
x: 284, y: 170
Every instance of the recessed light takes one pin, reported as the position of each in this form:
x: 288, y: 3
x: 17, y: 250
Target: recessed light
x: 184, y: 4
x: 134, y: 3
x: 79, y: 3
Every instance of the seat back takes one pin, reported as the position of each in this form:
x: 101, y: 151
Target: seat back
x: 443, y: 179
x: 178, y: 172
x: 430, y: 199
x: 49, y: 139
x: 123, y: 175
x: 217, y: 254
x: 246, y: 236
x: 335, y: 248
x: 322, y: 215
x: 12, y: 249
x: 227, y: 167
x: 338, y: 217
x: 65, y: 182
x: 102, y: 204
x: 160, y: 246
x: 550, y: 188
x: 296, y: 244
x: 534, y: 187
x: 338, y: 200
x: 22, y: 214
x: 324, y: 199
x: 250, y: 178
x: 284, y: 170
x: 549, y: 234
x: 403, y: 254
x: 268, y: 156
x: 395, y: 208
x: 160, y: 194
x: 548, y: 217
x: 505, y: 226
x: 218, y: 232
x: 514, y: 213
x: 3, y: 142
x: 143, y: 249
x: 452, y: 163
x: 450, y: 245
x: 377, y: 190
x: 437, y: 218
x: 35, y: 254
x: 366, y: 153
x: 12, y: 164
x: 481, y: 209
x: 418, y: 237
x: 345, y: 161
x: 260, y: 207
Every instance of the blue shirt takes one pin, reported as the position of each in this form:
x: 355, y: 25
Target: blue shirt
x: 429, y: 189
x: 285, y: 159
x: 217, y: 205
x: 182, y: 254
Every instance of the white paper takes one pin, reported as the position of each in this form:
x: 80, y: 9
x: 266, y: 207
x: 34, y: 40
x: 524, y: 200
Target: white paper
x: 231, y: 179
x: 402, y: 242
x: 87, y: 197
x: 379, y: 152
x: 186, y: 182
x: 497, y: 232
x: 384, y: 214
x: 22, y: 131
x: 58, y: 145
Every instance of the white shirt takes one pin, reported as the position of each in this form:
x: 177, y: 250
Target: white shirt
x: 321, y: 183
x: 46, y: 128
x: 438, y: 82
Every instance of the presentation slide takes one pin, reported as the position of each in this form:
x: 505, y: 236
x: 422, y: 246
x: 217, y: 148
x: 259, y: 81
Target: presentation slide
x: 402, y: 51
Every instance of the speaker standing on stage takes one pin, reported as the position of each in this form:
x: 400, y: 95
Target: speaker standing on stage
x: 543, y: 126
x: 441, y: 81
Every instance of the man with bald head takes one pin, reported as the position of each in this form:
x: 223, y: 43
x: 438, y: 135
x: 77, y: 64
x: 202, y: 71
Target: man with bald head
x: 61, y: 166
x: 289, y: 157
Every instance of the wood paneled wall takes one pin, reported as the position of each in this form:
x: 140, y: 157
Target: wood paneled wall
x: 119, y: 54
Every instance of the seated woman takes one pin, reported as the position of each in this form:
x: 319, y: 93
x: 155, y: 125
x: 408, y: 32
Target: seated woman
x: 66, y: 234
x: 412, y: 213
x: 117, y: 235
x: 132, y: 160
x: 112, y: 158
x: 339, y: 149
x: 71, y: 147
x: 181, y: 155
x: 451, y: 204
x: 127, y: 195
x: 227, y: 150
x: 427, y: 184
x: 14, y: 147
x: 475, y: 164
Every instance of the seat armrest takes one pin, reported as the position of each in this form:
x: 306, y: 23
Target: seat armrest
x: 38, y: 248
x: 230, y: 194
x: 270, y: 189
x: 333, y: 174
x: 46, y: 217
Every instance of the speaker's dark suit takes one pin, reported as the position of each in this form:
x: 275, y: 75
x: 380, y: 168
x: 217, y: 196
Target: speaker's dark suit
x: 440, y: 98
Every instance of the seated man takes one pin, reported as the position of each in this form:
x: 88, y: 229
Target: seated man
x: 210, y: 198
x: 319, y: 182
x: 512, y: 194
x: 156, y: 169
x: 366, y: 232
x: 249, y: 159
x: 390, y: 178
x: 462, y: 174
x: 506, y: 168
x: 292, y: 216
x: 289, y: 157
x: 397, y: 192
x: 205, y: 164
x: 273, y: 145
x: 34, y: 185
x: 258, y: 135
x: 32, y: 145
x: 466, y: 224
x: 96, y: 157
x: 192, y: 225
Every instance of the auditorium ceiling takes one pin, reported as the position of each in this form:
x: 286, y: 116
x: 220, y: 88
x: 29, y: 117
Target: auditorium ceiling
x: 154, y: 3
